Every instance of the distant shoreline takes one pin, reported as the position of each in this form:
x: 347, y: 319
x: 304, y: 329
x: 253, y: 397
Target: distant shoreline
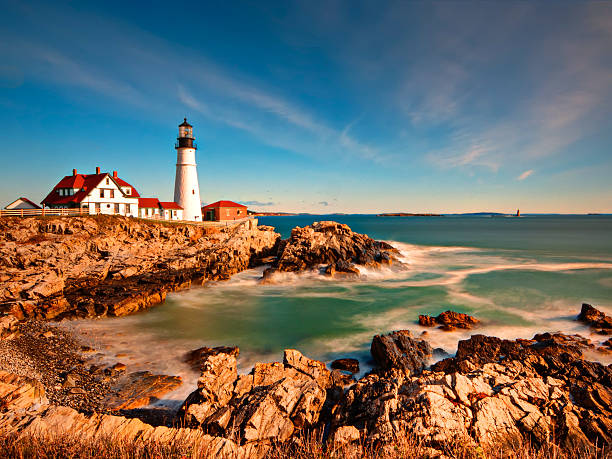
x: 404, y: 214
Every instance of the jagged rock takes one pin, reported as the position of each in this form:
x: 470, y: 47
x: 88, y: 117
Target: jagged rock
x: 332, y: 244
x: 8, y: 326
x: 140, y: 389
x: 595, y: 318
x: 347, y: 364
x: 275, y: 411
x: 400, y: 350
x: 313, y: 368
x: 20, y: 393
x: 218, y: 368
x: 271, y: 403
x: 449, y: 320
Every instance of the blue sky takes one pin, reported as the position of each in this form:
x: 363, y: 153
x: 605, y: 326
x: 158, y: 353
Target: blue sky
x: 332, y: 106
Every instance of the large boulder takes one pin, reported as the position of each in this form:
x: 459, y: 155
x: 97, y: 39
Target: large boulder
x: 269, y: 404
x: 400, y: 350
x: 218, y: 367
x: 594, y: 317
x: 329, y: 244
x: 449, y: 320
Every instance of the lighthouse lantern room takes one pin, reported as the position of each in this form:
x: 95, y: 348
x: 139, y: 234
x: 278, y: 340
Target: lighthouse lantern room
x: 186, y: 187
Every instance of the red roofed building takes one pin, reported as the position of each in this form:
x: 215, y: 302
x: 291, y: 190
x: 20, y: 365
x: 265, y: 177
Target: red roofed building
x: 99, y: 193
x: 171, y: 211
x: 154, y: 208
x: 148, y: 208
x: 223, y: 211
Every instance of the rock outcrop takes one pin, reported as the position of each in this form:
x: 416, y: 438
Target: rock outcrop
x: 401, y: 350
x: 331, y: 248
x: 96, y: 266
x: 596, y: 319
x: 26, y: 413
x: 493, y: 392
x: 268, y: 405
x: 449, y: 321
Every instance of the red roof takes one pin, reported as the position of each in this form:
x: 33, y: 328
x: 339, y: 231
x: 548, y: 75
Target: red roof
x: 120, y: 182
x: 84, y: 183
x: 170, y: 205
x: 148, y: 202
x: 223, y: 204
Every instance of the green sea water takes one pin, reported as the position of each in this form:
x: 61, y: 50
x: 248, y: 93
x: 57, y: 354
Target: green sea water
x: 520, y: 276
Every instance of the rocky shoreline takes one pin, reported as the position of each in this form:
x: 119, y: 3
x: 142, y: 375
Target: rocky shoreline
x: 55, y: 268
x: 493, y: 394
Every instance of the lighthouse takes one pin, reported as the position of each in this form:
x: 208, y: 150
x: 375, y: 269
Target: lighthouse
x: 186, y: 188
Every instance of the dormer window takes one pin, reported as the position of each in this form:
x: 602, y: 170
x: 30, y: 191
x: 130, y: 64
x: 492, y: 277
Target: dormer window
x: 107, y: 181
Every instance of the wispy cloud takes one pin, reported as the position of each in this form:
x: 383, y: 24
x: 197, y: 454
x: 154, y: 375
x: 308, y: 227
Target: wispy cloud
x: 323, y: 203
x: 524, y: 175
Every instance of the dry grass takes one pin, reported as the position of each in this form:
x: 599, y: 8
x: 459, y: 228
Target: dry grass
x: 302, y: 448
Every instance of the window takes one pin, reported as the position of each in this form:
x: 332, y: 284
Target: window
x: 61, y: 191
x: 107, y: 206
x: 101, y: 192
x: 192, y: 191
x: 112, y: 193
x: 228, y: 212
x: 71, y: 191
x: 116, y: 208
x: 97, y: 207
x: 238, y: 212
x: 107, y: 181
x: 128, y: 191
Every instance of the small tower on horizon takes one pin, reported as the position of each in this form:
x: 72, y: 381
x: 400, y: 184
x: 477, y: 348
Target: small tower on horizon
x: 186, y: 187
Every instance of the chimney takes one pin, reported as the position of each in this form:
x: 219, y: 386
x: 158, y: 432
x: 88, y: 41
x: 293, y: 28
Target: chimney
x: 74, y: 172
x: 114, y: 174
x: 98, y: 170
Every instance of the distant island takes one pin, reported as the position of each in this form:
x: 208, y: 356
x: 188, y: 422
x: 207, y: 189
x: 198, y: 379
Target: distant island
x: 270, y: 214
x: 404, y: 214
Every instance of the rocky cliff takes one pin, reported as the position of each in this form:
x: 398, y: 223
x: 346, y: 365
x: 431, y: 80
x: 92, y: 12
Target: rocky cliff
x: 96, y: 266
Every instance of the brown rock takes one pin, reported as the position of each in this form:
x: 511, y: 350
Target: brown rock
x: 595, y: 318
x: 331, y: 244
x: 449, y: 320
x: 400, y: 350
x: 140, y: 389
x: 346, y: 364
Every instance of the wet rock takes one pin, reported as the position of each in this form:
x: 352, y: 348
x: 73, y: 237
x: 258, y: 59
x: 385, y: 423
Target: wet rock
x: 595, y: 318
x: 346, y: 364
x: 400, y: 350
x: 449, y: 320
x: 331, y: 244
x: 140, y: 389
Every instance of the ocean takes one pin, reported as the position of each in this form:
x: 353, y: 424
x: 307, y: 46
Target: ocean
x: 519, y: 276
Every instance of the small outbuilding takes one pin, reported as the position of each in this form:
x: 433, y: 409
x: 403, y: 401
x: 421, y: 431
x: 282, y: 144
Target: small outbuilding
x: 223, y: 211
x: 171, y: 211
x: 22, y: 203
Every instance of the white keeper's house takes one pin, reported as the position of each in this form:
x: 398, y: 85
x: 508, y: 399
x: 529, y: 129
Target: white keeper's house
x: 99, y: 193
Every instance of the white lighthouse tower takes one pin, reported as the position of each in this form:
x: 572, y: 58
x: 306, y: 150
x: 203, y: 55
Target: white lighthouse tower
x: 186, y: 188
